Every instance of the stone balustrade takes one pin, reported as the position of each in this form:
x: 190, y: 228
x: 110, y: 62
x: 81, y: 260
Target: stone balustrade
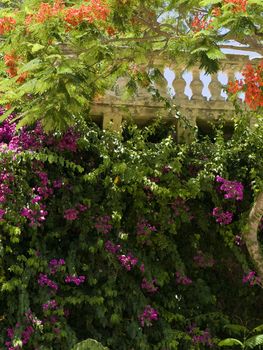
x: 198, y: 97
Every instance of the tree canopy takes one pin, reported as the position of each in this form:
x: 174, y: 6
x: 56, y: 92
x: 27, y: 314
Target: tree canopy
x: 59, y: 55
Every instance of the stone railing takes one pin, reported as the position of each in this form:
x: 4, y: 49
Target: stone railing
x: 198, y: 97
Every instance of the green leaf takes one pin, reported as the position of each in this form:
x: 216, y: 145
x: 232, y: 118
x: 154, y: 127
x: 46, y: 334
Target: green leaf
x: 236, y: 329
x: 209, y: 2
x: 64, y: 70
x: 258, y: 329
x: 37, y: 47
x: 258, y: 2
x: 230, y: 342
x: 201, y: 48
x: 31, y: 66
x: 6, y: 114
x: 89, y: 344
x: 254, y: 341
x: 215, y: 54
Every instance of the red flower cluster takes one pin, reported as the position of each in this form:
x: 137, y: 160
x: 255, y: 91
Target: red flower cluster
x: 200, y: 23
x: 6, y: 24
x: 111, y: 31
x: 238, y: 5
x: 73, y: 16
x: 45, y: 11
x: 251, y: 85
x: 11, y: 62
x: 95, y: 10
x: 254, y: 85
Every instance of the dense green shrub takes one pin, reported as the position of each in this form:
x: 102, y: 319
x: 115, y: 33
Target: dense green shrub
x: 113, y: 238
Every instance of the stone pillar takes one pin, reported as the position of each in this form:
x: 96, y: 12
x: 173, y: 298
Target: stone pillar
x: 112, y: 121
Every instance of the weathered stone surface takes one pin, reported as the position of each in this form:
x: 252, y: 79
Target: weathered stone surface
x: 188, y: 99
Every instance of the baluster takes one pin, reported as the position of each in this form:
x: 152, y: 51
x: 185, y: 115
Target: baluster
x: 197, y: 86
x: 215, y: 88
x: 161, y: 83
x: 179, y: 85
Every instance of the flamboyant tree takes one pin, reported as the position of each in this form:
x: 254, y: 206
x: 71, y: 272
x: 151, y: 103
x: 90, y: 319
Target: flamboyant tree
x: 59, y: 55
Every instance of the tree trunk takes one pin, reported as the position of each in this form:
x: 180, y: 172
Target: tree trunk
x: 250, y: 236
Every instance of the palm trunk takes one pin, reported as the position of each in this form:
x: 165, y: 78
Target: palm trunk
x: 250, y: 236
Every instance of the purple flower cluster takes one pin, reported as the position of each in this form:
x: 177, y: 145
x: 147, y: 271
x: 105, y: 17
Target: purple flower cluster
x: 36, y: 217
x: 184, y: 280
x: 5, y: 181
x: 251, y: 278
x: 43, y: 177
x: 149, y: 314
x: 68, y: 141
x: 43, y: 280
x: 43, y: 191
x: 155, y: 179
x: 179, y: 206
x: 55, y: 264
x: 144, y: 228
x: 77, y: 280
x: 50, y: 305
x: 232, y: 189
x: 150, y: 287
x: 25, y: 337
x: 200, y: 337
x: 34, y: 139
x: 73, y: 213
x: 166, y: 169
x: 238, y: 240
x: 204, y: 339
x: 26, y: 139
x: 103, y: 224
x: 2, y: 213
x: 57, y: 183
x: 31, y: 318
x: 7, y: 129
x: 128, y: 261
x: 222, y: 217
x: 142, y: 268
x: 111, y: 247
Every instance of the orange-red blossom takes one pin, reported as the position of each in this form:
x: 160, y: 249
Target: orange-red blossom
x: 238, y: 5
x: 89, y: 11
x: 11, y: 62
x: 251, y: 85
x: 6, y: 24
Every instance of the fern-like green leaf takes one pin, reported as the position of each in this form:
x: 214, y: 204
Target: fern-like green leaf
x: 254, y: 341
x: 236, y: 329
x: 231, y: 342
x: 258, y: 329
